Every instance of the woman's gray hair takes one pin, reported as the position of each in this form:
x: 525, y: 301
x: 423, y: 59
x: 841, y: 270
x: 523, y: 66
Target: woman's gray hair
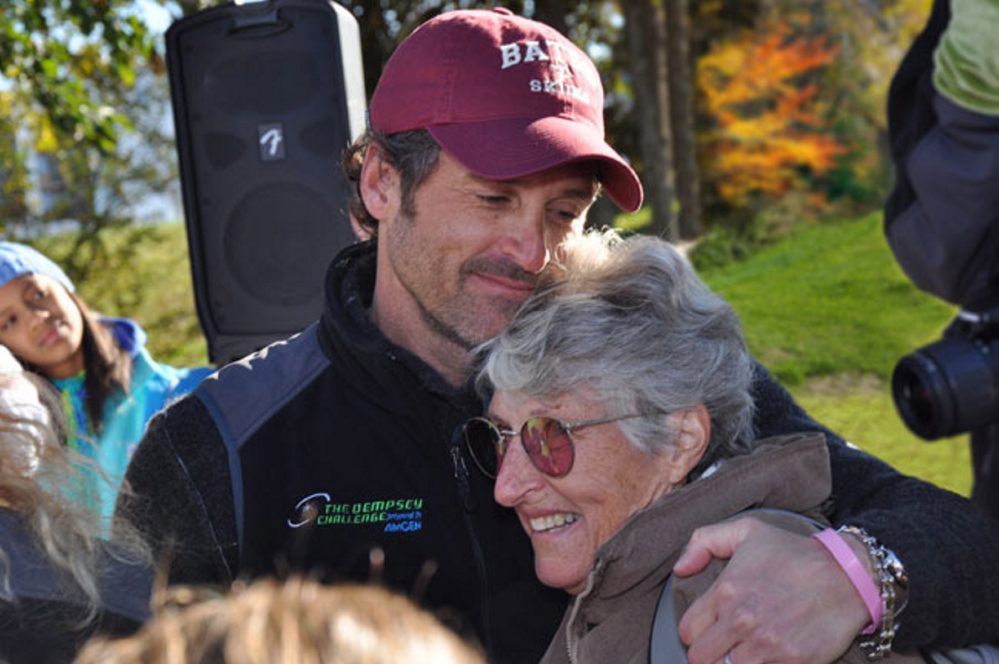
x: 629, y: 324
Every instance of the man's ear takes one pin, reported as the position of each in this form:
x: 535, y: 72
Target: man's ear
x: 693, y: 432
x: 380, y: 185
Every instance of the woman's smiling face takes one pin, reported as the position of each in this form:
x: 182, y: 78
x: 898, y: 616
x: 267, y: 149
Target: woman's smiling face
x: 570, y: 517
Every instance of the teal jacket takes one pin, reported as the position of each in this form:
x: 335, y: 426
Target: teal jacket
x: 153, y: 386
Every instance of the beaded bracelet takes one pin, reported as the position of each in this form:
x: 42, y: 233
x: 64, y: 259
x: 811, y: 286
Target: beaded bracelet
x: 888, y: 571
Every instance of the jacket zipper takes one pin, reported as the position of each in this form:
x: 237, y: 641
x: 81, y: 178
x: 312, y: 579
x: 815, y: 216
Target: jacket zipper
x: 461, y: 476
x: 468, y: 500
x: 571, y: 643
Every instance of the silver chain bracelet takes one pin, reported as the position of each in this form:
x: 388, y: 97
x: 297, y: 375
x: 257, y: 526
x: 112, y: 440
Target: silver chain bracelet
x: 889, y: 572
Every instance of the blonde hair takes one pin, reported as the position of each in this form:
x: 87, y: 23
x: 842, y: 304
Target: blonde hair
x: 295, y: 621
x: 43, y: 492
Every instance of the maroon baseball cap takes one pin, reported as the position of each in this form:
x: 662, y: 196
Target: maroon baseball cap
x: 505, y: 96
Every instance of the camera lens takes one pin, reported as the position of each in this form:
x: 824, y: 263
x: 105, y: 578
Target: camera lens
x: 948, y: 387
x: 921, y: 396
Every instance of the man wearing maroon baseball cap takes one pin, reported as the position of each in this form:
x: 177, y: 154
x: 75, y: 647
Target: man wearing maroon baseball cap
x: 339, y: 450
x: 505, y: 96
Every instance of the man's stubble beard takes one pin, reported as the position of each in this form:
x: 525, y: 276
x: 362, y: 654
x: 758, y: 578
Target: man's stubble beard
x: 462, y: 329
x: 466, y: 313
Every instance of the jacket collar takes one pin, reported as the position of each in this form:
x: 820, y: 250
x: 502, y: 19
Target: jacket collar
x: 356, y: 346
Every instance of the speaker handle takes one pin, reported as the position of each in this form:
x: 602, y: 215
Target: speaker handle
x: 261, y: 23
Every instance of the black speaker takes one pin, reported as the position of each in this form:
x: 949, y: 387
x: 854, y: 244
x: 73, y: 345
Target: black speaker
x: 265, y: 96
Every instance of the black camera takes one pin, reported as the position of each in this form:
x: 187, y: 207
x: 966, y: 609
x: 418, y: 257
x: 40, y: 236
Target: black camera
x: 952, y: 386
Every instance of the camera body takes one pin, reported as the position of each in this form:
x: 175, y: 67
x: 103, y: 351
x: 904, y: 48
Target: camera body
x: 952, y: 385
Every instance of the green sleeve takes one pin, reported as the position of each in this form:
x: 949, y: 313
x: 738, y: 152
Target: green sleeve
x: 967, y: 57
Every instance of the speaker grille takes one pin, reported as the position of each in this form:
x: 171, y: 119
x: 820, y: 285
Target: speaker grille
x: 273, y: 228
x: 270, y: 82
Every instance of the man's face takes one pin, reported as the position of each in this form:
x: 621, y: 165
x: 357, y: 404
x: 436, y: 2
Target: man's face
x: 452, y: 275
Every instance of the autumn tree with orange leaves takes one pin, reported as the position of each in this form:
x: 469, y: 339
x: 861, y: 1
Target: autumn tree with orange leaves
x: 768, y: 133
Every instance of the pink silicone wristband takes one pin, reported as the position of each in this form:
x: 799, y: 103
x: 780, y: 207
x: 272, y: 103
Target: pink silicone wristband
x: 855, y: 570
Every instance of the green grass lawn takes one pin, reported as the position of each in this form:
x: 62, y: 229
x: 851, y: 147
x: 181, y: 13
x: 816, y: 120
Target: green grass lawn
x: 826, y: 309
x: 830, y: 313
x: 865, y: 416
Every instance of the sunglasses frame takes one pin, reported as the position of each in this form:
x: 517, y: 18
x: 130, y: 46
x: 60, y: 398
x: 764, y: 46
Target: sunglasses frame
x: 503, y: 436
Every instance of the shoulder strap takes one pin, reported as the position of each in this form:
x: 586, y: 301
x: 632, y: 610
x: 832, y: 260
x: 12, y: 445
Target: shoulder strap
x: 665, y: 646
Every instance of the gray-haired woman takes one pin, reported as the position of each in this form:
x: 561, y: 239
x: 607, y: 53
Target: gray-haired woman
x: 627, y: 382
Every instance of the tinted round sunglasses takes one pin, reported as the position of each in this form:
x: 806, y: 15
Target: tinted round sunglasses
x: 547, y: 441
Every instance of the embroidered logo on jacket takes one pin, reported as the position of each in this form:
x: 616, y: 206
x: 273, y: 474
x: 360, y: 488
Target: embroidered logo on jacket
x: 398, y: 515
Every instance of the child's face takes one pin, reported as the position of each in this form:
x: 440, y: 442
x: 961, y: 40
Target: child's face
x: 41, y: 324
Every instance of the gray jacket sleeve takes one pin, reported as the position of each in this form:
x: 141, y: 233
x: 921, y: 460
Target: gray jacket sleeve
x: 179, y: 496
x: 947, y: 545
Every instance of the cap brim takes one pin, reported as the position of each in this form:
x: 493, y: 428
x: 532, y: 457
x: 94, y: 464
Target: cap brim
x: 517, y: 147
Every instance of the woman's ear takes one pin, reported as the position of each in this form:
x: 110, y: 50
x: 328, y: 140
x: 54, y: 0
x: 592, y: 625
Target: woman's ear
x: 380, y: 185
x: 693, y: 432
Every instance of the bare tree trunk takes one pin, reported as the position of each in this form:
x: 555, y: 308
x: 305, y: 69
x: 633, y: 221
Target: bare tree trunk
x: 553, y: 13
x: 681, y: 115
x: 645, y: 29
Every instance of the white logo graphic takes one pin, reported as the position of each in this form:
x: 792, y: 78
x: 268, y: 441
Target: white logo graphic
x: 270, y: 139
x: 532, y: 51
x: 308, y: 512
x: 560, y: 72
x: 561, y: 79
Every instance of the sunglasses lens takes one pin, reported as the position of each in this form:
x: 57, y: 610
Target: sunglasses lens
x: 482, y: 438
x: 548, y: 445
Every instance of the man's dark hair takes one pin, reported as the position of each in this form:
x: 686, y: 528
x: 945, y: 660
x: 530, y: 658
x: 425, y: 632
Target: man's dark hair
x: 415, y: 154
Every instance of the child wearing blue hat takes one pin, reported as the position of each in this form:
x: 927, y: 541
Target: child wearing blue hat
x: 109, y: 384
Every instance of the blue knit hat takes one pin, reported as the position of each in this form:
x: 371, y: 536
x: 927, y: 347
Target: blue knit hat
x: 16, y: 260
